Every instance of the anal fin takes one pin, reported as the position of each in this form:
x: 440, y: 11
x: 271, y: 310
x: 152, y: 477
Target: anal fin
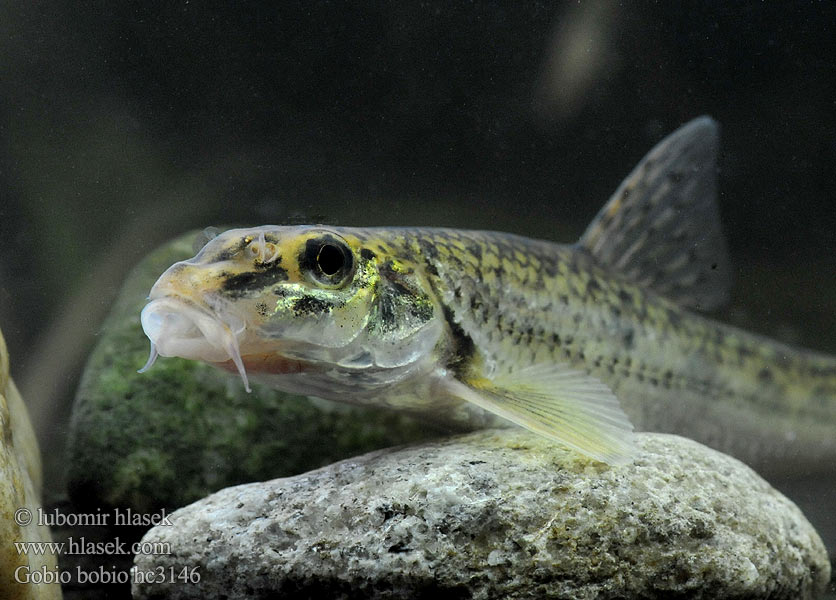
x: 562, y: 404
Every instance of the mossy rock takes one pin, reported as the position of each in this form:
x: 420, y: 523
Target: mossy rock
x: 182, y: 430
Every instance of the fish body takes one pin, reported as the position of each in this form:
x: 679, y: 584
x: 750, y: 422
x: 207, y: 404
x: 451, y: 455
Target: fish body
x: 577, y: 342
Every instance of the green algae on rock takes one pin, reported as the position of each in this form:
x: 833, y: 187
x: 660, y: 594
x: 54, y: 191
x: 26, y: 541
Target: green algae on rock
x: 183, y: 429
x: 498, y: 514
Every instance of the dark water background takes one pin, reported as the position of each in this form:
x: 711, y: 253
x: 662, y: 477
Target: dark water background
x: 124, y: 124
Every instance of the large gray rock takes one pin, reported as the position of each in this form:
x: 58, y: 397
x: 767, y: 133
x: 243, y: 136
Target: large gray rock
x: 496, y: 514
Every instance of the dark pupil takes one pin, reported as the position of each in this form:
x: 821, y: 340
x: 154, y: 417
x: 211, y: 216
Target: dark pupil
x: 330, y: 259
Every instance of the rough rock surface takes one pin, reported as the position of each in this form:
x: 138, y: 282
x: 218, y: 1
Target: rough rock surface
x: 497, y: 514
x: 20, y: 489
x: 185, y: 429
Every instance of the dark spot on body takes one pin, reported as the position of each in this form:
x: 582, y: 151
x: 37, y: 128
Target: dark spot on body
x: 456, y: 262
x: 428, y: 248
x: 261, y: 307
x: 822, y: 395
x: 367, y: 254
x: 463, y: 347
x: 475, y: 250
x: 744, y: 352
x: 765, y: 375
x: 423, y: 311
x: 628, y: 338
x: 550, y: 267
x: 395, y: 279
x: 311, y: 306
x: 625, y: 296
x: 243, y: 283
x: 386, y: 311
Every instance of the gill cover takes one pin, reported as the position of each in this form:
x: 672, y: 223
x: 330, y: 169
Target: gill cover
x: 350, y: 307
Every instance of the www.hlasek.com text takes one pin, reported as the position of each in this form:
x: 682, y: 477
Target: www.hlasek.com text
x: 82, y: 546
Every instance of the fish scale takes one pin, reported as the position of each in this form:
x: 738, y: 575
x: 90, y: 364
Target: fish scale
x: 559, y: 305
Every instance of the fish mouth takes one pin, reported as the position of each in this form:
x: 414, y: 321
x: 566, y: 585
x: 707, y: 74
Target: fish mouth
x: 179, y: 327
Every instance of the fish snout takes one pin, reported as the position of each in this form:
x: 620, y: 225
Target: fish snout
x: 178, y: 329
x: 182, y: 280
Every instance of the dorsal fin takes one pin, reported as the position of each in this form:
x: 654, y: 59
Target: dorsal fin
x: 661, y: 227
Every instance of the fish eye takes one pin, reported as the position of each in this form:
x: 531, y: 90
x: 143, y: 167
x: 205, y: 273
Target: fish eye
x: 327, y: 260
x: 330, y: 259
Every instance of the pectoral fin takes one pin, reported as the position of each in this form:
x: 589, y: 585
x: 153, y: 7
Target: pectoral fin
x: 567, y: 406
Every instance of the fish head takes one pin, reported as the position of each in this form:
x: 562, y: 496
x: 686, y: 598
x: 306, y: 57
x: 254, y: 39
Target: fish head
x: 310, y: 308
